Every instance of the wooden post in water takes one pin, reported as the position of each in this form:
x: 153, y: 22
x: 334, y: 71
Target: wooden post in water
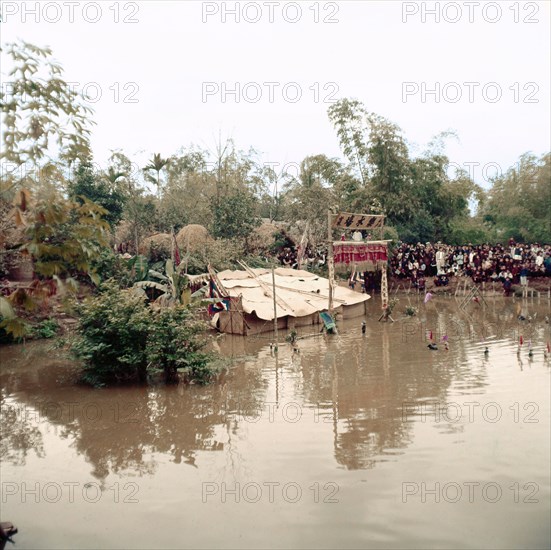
x: 330, y: 264
x: 275, y: 307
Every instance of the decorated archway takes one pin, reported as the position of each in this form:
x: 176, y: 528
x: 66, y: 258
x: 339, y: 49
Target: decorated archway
x: 357, y: 249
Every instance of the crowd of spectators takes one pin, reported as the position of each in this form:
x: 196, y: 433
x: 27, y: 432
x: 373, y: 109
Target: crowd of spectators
x: 312, y: 258
x: 507, y: 264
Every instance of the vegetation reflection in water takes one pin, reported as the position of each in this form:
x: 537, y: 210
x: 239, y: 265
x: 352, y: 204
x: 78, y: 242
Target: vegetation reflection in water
x: 358, y: 386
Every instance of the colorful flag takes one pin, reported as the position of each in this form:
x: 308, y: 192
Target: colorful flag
x: 428, y: 297
x: 222, y: 305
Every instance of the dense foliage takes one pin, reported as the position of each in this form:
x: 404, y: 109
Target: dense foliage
x: 43, y: 117
x: 99, y: 189
x: 121, y: 339
x: 519, y: 204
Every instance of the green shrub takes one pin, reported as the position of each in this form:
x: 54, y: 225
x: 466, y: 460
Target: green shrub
x: 175, y: 345
x: 113, y: 266
x: 121, y: 339
x: 113, y: 330
x: 45, y: 329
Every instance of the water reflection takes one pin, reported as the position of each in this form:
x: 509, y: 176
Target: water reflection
x: 120, y: 430
x: 357, y: 385
x: 18, y: 436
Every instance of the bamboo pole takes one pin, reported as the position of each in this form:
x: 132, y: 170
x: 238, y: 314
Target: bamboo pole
x: 187, y: 252
x: 282, y: 303
x: 275, y: 308
x: 310, y: 293
x: 330, y: 260
x: 302, y: 246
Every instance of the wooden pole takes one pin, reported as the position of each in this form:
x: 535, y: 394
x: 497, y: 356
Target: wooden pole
x: 302, y: 246
x: 330, y: 264
x: 187, y: 252
x: 275, y: 308
x: 282, y: 303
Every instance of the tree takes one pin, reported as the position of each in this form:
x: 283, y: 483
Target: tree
x: 157, y: 163
x: 348, y: 117
x: 60, y: 236
x: 140, y: 209
x: 102, y: 189
x: 390, y: 166
x: 186, y: 194
x: 234, y: 216
x: 520, y: 200
x: 39, y: 107
x: 377, y: 149
x: 310, y: 196
x: 416, y: 194
x: 63, y: 238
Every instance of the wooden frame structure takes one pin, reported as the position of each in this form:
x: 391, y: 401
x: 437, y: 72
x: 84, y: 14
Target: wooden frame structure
x: 357, y: 222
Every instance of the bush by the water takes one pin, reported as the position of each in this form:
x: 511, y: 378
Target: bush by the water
x: 45, y: 329
x: 121, y: 339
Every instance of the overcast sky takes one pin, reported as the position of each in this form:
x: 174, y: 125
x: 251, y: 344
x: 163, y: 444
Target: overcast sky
x: 162, y: 73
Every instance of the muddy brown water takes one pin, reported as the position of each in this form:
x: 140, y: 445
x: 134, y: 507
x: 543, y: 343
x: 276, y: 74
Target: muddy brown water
x: 357, y: 441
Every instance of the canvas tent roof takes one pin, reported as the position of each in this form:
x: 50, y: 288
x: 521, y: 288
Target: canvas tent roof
x: 298, y: 292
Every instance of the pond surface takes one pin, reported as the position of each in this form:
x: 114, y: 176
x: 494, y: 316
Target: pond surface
x: 357, y: 441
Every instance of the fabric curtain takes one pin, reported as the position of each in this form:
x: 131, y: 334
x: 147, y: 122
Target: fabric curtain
x: 366, y: 257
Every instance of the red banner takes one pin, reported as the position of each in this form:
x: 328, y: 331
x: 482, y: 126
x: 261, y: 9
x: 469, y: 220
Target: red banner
x: 366, y: 256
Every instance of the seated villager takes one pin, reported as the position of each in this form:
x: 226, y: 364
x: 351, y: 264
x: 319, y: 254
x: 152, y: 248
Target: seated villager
x: 287, y: 258
x: 441, y: 280
x: 477, y: 276
x: 413, y: 278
